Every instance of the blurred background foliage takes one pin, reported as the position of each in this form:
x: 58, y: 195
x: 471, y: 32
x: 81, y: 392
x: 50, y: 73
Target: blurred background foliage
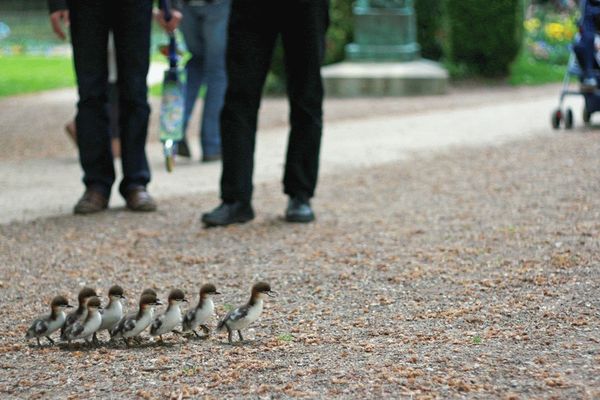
x: 524, y: 41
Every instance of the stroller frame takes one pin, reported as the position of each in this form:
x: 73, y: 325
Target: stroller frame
x: 592, y: 98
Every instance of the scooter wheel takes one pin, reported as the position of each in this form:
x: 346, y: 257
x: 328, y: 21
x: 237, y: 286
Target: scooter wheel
x: 556, y: 118
x: 169, y: 163
x: 569, y: 119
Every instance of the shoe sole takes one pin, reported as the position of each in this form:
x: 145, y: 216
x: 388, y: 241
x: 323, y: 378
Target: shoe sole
x: 84, y: 211
x: 142, y: 208
x: 212, y: 224
x: 300, y: 219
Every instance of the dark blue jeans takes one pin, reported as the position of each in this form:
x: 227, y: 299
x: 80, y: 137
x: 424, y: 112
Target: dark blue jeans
x: 204, y: 28
x: 254, y: 26
x: 585, y: 52
x: 130, y: 22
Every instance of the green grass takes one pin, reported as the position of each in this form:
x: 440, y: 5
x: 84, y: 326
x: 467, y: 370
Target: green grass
x: 286, y: 337
x: 29, y: 74
x: 528, y: 71
x: 155, y: 90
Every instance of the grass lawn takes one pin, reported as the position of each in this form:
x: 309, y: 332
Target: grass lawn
x: 28, y: 74
x: 527, y: 71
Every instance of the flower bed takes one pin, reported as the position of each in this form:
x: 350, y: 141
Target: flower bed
x: 549, y: 32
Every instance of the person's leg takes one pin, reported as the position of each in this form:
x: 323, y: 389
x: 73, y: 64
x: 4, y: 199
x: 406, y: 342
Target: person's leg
x: 113, y: 99
x: 192, y: 28
x: 251, y: 36
x: 215, y: 37
x: 113, y: 117
x: 303, y: 34
x: 579, y: 50
x: 131, y: 29
x: 585, y: 51
x: 89, y: 35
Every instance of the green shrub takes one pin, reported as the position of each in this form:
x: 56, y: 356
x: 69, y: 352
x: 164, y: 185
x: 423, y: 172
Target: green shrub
x: 340, y: 30
x: 429, y: 28
x: 485, y: 38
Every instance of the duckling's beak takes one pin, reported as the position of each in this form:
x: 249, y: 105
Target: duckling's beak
x: 185, y: 300
x: 272, y: 293
x: 217, y: 293
x: 69, y: 306
x: 158, y: 303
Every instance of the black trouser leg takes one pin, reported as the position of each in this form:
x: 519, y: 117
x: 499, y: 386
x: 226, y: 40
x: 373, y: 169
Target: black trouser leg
x: 89, y: 26
x: 303, y: 33
x: 252, y: 34
x: 131, y: 30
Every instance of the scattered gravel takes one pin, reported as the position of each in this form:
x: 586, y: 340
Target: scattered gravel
x: 33, y: 125
x: 472, y: 274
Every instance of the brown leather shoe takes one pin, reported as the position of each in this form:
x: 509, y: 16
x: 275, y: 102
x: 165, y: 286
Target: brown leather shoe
x: 71, y: 131
x: 139, y: 199
x: 91, y: 202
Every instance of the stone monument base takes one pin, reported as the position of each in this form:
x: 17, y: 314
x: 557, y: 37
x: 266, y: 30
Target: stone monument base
x: 352, y: 79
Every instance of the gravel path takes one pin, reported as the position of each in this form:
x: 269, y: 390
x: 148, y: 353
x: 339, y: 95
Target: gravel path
x: 359, y: 133
x: 470, y: 274
x: 33, y: 125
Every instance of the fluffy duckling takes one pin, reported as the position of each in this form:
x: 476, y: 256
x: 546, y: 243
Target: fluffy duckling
x: 133, y: 324
x: 48, y: 324
x: 113, y: 313
x: 81, y: 312
x: 202, y: 312
x: 243, y: 316
x: 172, y: 317
x: 86, y: 328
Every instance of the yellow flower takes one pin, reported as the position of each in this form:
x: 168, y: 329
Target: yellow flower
x: 555, y: 31
x: 570, y: 30
x: 532, y: 24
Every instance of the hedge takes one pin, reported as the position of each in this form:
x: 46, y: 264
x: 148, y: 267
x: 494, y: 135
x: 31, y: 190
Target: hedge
x: 484, y: 37
x: 430, y: 28
x: 473, y: 37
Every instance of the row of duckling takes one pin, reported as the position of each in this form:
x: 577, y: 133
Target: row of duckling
x: 90, y: 317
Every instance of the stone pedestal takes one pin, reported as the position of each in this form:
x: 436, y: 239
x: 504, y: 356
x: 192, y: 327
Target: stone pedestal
x: 384, y: 59
x: 353, y: 79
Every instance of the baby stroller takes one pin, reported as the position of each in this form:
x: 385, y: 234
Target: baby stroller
x: 591, y: 96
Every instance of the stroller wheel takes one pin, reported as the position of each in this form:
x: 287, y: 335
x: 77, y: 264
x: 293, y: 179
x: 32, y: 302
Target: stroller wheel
x: 556, y: 118
x: 569, y: 119
x: 587, y: 116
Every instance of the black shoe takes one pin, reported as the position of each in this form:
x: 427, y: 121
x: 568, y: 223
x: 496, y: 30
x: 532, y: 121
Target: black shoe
x: 299, y: 210
x: 229, y: 213
x: 183, y: 150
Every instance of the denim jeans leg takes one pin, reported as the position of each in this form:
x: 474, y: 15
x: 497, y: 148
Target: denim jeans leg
x: 191, y: 27
x: 215, y: 35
